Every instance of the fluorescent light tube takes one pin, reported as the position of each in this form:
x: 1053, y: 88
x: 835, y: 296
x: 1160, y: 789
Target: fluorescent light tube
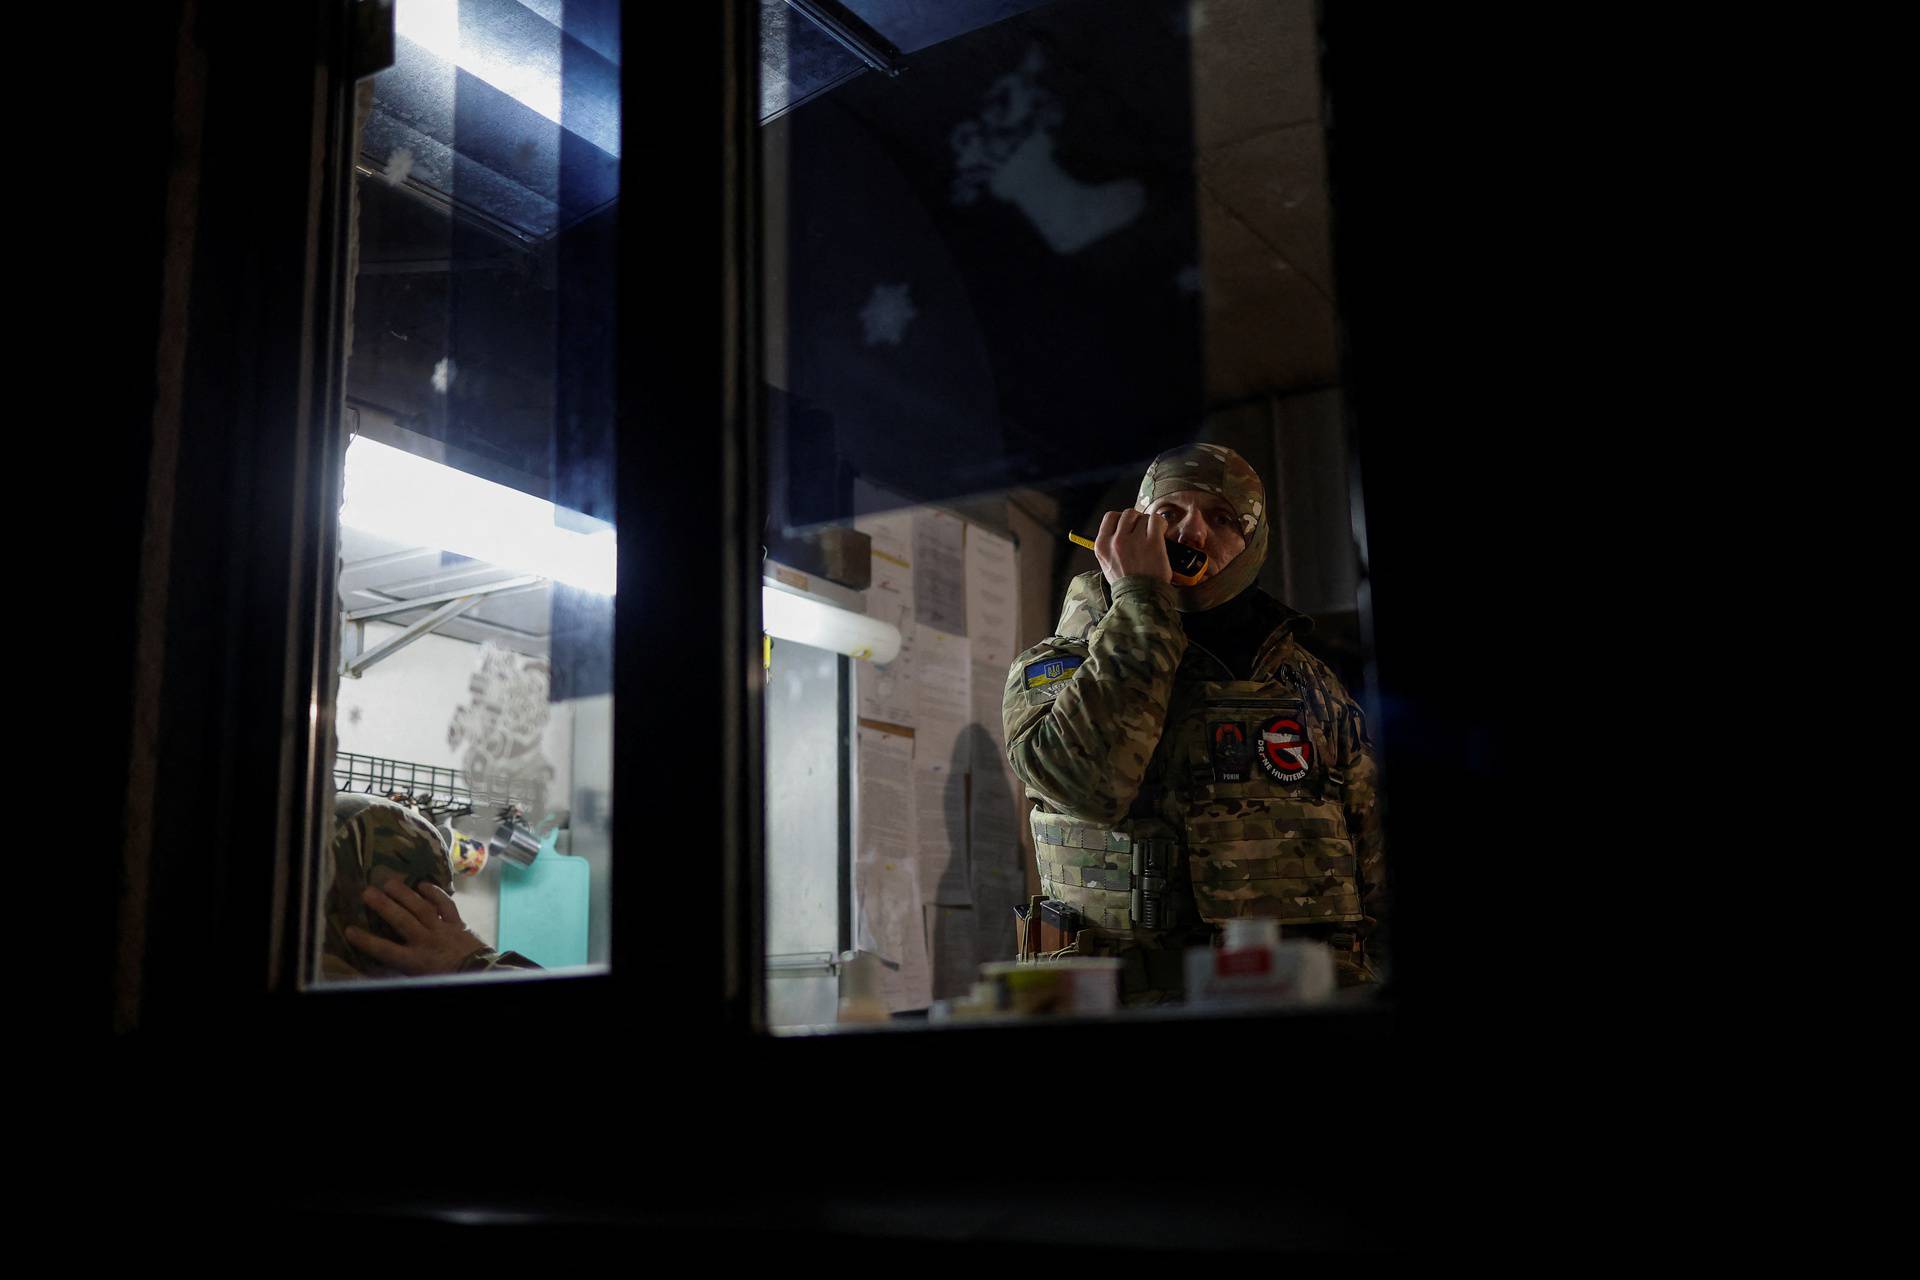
x: 404, y: 498
x: 786, y: 615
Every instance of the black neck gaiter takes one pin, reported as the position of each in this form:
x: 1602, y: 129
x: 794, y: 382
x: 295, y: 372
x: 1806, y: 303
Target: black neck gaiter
x: 1235, y: 631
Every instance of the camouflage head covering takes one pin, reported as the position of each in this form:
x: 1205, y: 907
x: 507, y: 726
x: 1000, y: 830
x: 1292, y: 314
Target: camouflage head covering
x: 1215, y: 469
x: 374, y: 841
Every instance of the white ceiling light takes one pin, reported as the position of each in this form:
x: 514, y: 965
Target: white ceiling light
x: 393, y: 494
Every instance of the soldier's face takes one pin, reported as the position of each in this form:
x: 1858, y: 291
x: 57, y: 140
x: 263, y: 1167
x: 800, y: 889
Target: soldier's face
x: 1204, y: 522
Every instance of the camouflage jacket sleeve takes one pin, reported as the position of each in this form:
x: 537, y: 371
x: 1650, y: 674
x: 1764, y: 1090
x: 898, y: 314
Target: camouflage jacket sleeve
x: 374, y: 841
x: 1359, y: 773
x: 1081, y: 741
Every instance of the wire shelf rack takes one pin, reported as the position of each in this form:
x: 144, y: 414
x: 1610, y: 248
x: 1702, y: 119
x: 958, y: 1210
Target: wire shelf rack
x: 435, y: 790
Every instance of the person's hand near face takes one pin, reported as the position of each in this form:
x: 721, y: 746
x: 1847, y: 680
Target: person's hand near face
x: 433, y: 937
x: 1131, y: 544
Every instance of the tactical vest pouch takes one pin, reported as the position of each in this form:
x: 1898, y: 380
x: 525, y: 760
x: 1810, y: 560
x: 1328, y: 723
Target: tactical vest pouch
x: 1264, y: 831
x: 1116, y: 879
x: 1087, y: 866
x: 1292, y: 862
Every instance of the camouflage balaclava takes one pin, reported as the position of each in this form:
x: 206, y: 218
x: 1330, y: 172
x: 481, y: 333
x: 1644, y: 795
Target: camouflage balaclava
x: 374, y: 840
x: 1215, y: 469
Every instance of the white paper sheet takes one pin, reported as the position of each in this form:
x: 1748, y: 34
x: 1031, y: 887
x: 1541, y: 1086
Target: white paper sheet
x: 939, y: 571
x: 942, y: 698
x: 886, y: 881
x: 886, y: 693
x: 992, y: 597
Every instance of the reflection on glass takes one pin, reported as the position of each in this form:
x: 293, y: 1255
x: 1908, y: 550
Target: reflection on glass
x: 473, y: 712
x: 1070, y: 274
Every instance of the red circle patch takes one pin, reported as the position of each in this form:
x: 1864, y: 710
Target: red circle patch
x: 1284, y: 750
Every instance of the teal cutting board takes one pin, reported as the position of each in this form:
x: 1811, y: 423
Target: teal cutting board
x: 543, y: 908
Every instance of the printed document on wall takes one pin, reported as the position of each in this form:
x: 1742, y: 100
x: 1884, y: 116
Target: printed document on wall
x: 886, y: 692
x: 992, y: 632
x: 942, y: 696
x: 939, y: 571
x: 886, y: 880
x: 992, y: 597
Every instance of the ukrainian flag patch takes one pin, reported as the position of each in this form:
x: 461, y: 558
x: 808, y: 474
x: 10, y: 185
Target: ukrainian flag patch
x: 1052, y: 670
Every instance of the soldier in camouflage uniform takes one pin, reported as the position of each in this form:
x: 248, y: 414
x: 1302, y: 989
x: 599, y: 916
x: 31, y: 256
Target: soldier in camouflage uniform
x: 1190, y: 760
x: 386, y: 898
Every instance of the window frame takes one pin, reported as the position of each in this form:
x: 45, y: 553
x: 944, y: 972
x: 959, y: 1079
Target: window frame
x: 267, y: 288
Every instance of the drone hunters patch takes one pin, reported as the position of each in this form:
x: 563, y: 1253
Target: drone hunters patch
x: 1285, y: 753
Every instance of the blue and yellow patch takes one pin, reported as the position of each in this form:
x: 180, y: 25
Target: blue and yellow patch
x: 1052, y: 670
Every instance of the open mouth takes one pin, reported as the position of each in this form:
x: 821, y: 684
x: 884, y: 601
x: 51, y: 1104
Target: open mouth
x: 1189, y: 564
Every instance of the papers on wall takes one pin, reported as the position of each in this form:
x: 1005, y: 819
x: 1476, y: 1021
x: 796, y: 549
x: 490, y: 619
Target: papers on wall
x: 886, y: 881
x: 939, y: 860
x: 890, y: 591
x: 942, y: 697
x: 992, y: 632
x: 995, y: 857
x: 939, y: 571
x: 991, y: 593
x: 886, y: 693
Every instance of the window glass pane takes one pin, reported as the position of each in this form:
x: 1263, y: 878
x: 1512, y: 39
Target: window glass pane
x: 1016, y: 251
x: 474, y: 703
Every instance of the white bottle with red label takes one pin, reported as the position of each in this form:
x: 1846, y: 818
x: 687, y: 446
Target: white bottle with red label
x: 1255, y: 966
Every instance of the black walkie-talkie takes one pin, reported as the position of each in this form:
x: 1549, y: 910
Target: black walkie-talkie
x: 1188, y: 565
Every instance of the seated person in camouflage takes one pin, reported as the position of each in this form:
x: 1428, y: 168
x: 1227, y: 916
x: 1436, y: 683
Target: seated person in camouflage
x: 385, y: 892
x: 1190, y: 761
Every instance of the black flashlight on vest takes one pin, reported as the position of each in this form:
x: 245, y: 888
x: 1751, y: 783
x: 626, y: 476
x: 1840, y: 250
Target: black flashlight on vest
x: 1149, y: 882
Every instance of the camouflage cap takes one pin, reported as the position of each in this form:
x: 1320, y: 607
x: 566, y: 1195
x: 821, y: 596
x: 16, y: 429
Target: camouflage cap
x: 1215, y: 469
x: 374, y: 841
